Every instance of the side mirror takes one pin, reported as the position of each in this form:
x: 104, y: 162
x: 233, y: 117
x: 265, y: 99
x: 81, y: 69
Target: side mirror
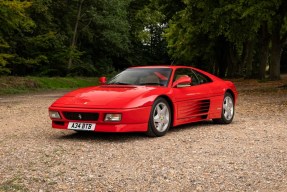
x: 102, y: 80
x: 184, y: 80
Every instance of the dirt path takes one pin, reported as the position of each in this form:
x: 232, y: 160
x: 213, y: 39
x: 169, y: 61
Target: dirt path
x: 248, y: 155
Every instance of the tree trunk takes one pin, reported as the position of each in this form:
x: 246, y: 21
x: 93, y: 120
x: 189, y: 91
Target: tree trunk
x: 278, y: 41
x: 233, y: 67
x: 221, y: 55
x: 276, y: 51
x: 216, y: 68
x: 248, y: 58
x: 264, y: 50
x: 73, y: 43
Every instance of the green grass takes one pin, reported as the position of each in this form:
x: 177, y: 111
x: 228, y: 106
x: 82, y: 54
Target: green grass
x: 14, y: 85
x: 13, y: 185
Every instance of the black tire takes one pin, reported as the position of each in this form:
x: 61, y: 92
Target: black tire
x: 158, y: 126
x: 228, y: 110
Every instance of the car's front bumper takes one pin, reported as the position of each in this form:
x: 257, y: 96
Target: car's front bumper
x: 133, y: 120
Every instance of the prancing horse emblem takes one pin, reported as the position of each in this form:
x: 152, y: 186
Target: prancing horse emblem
x: 80, y: 116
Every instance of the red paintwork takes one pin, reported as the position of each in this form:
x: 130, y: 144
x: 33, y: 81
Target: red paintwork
x: 135, y: 102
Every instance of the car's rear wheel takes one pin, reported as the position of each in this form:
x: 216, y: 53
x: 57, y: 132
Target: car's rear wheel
x: 228, y: 110
x: 160, y: 118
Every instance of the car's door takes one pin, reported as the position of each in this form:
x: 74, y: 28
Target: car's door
x: 192, y: 101
x: 216, y: 94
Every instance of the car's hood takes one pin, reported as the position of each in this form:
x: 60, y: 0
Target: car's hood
x: 108, y: 96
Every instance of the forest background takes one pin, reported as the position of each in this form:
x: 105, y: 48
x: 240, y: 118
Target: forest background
x: 237, y: 38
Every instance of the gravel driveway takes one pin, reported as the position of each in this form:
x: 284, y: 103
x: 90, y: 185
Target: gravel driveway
x: 248, y: 155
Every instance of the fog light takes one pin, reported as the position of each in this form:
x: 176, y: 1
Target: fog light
x: 54, y: 115
x: 113, y: 117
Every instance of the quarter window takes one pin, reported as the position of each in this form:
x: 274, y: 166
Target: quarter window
x: 201, y: 77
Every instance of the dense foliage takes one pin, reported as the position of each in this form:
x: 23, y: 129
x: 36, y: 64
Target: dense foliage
x: 83, y: 37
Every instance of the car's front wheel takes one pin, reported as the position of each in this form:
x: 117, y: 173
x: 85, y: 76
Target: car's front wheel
x: 160, y: 118
x: 228, y: 110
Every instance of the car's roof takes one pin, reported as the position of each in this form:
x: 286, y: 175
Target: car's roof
x: 174, y: 67
x: 162, y: 66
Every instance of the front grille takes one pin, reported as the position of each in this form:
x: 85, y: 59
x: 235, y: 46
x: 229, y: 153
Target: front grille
x: 81, y: 116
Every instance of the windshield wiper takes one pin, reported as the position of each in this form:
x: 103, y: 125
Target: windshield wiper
x: 118, y: 83
x: 152, y: 84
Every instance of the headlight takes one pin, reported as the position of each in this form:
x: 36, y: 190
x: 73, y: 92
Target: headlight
x: 54, y: 115
x: 113, y: 117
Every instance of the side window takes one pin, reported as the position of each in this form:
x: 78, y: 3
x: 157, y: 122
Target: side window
x: 185, y: 72
x: 201, y: 77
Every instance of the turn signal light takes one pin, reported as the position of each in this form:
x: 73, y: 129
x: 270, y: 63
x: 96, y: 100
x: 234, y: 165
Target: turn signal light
x: 54, y: 115
x: 113, y: 117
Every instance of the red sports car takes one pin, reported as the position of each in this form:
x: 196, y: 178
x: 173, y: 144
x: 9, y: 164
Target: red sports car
x: 148, y: 99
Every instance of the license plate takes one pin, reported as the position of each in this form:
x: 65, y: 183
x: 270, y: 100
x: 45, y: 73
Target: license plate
x: 82, y: 126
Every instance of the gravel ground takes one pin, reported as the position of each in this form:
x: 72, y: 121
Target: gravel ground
x: 248, y: 155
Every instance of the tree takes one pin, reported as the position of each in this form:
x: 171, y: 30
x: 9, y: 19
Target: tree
x: 100, y: 34
x: 230, y: 35
x: 149, y: 35
x: 65, y: 37
x: 13, y: 19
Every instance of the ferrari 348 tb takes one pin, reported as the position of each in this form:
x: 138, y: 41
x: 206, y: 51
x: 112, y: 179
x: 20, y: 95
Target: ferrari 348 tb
x: 149, y: 99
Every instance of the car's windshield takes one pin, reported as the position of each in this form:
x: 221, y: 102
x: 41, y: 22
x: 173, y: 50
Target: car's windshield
x: 142, y: 76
